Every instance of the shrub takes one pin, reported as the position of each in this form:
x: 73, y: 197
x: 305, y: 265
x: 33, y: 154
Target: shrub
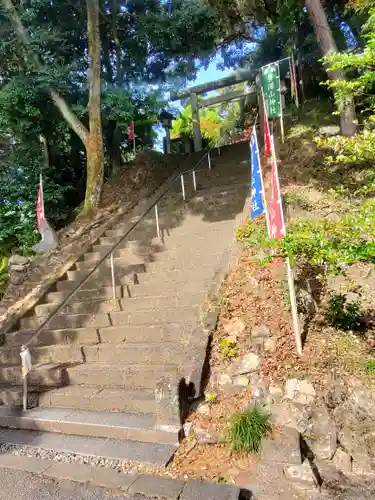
x: 342, y: 314
x: 246, y: 430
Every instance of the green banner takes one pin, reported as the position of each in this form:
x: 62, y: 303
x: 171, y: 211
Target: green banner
x: 271, y: 89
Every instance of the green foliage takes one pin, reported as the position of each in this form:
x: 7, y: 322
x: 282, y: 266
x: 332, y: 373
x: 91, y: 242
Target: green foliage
x: 228, y: 348
x: 3, y: 275
x: 371, y: 366
x: 210, y: 397
x: 343, y: 314
x: 247, y: 430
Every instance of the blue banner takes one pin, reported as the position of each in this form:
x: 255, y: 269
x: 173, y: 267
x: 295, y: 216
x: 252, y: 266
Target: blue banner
x: 256, y: 201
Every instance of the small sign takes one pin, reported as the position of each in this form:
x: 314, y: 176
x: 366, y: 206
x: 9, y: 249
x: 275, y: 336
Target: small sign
x: 26, y: 362
x: 271, y: 89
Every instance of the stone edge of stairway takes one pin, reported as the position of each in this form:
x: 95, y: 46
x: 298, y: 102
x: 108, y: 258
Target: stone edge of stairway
x: 122, y: 483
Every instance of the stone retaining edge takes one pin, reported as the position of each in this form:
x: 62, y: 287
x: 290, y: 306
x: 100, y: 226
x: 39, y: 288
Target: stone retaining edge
x: 20, y: 308
x: 120, y: 483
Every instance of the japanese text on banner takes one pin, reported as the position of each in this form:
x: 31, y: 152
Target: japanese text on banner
x: 257, y: 207
x: 271, y: 89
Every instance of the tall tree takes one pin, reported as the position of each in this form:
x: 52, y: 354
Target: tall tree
x: 328, y: 46
x: 94, y: 147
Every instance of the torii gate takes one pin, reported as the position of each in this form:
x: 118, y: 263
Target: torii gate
x: 236, y: 77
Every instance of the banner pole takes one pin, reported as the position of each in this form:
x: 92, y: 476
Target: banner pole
x: 281, y: 104
x: 294, y: 78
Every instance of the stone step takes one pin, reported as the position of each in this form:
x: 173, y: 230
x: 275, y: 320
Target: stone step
x: 165, y: 219
x: 151, y: 352
x: 99, y: 399
x: 40, y: 376
x: 122, y: 262
x: 122, y: 426
x: 132, y: 376
x: 66, y: 321
x: 99, y: 251
x: 102, y: 293
x: 12, y: 396
x: 154, y: 316
x: 79, y: 336
x: 123, y: 450
x: 54, y: 354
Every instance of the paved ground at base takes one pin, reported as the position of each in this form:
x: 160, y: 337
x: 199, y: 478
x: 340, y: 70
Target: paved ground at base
x: 18, y: 485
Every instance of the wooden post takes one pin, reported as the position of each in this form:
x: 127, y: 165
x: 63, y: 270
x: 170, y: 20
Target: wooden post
x: 196, y: 123
x: 167, y: 140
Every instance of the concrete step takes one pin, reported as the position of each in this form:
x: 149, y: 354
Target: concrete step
x: 12, y: 396
x: 166, y: 332
x: 79, y: 336
x: 66, y: 321
x: 151, y: 352
x: 126, y: 260
x: 102, y: 293
x: 54, y: 354
x: 122, y: 426
x: 86, y: 307
x: 165, y: 219
x: 154, y: 316
x: 99, y: 399
x: 133, y: 376
x: 104, y: 271
x: 40, y: 376
x: 123, y: 450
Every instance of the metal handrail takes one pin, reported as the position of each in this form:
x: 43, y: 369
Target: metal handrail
x: 116, y: 245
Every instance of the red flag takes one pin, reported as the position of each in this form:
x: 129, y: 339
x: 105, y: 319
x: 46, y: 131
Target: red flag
x: 131, y: 131
x: 267, y: 137
x: 40, y: 205
x: 277, y: 226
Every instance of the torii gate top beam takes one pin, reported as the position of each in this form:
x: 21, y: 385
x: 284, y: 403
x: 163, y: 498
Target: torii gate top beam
x: 239, y: 76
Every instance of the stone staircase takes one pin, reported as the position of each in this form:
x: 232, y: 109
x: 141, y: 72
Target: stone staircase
x: 97, y: 363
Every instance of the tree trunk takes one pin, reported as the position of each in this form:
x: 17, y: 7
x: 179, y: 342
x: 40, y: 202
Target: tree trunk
x: 328, y: 46
x: 95, y: 156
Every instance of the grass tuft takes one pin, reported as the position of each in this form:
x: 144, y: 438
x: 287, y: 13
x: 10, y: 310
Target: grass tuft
x: 246, y: 430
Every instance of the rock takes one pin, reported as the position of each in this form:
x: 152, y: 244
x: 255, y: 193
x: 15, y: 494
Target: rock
x: 299, y: 391
x: 234, y: 327
x: 225, y: 379
x: 205, y: 436
x: 270, y: 345
x: 18, y: 260
x: 202, y: 408
x: 288, y: 414
x: 355, y: 444
x: 260, y: 331
x: 301, y: 475
x: 258, y: 344
x: 241, y: 380
x: 17, y: 268
x: 259, y: 389
x: 322, y: 434
x: 283, y: 449
x: 188, y: 429
x: 329, y: 130
x: 246, y: 364
x: 16, y: 278
x: 342, y: 461
x: 276, y: 392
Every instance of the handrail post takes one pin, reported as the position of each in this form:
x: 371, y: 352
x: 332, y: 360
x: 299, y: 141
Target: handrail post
x: 113, y: 277
x: 218, y: 151
x: 157, y: 221
x: 194, y: 181
x: 209, y: 160
x: 183, y: 187
x: 26, y: 367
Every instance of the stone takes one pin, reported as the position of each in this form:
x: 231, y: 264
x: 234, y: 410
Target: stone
x: 259, y: 389
x: 288, y: 414
x: 156, y: 486
x: 329, y: 130
x: 301, y: 475
x: 199, y: 490
x: 203, y: 408
x: 18, y: 268
x: 225, y: 379
x: 246, y: 364
x: 342, y: 461
x: 270, y: 345
x: 276, y: 392
x: 18, y: 260
x: 299, y: 391
x: 258, y: 344
x: 234, y: 327
x: 322, y: 434
x: 284, y: 448
x: 188, y: 429
x: 241, y: 381
x: 205, y: 436
x: 260, y: 331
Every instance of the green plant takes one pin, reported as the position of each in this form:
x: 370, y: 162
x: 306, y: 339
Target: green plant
x: 297, y: 199
x: 247, y: 429
x: 3, y: 275
x: 228, y: 348
x: 210, y: 397
x: 343, y: 314
x: 371, y: 366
